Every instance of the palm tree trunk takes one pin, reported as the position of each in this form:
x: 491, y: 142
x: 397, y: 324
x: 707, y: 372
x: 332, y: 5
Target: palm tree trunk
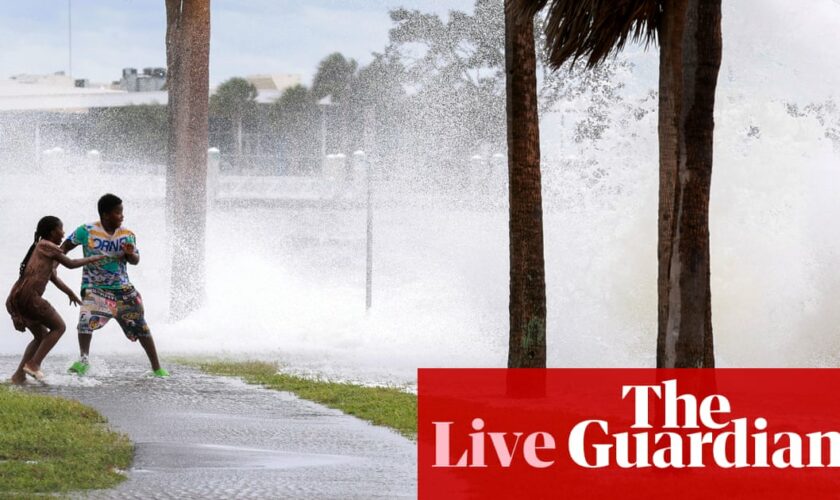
x: 187, y: 57
x: 690, y: 56
x: 527, y: 265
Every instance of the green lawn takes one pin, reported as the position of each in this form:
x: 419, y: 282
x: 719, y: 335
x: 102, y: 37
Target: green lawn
x: 386, y: 406
x: 49, y: 445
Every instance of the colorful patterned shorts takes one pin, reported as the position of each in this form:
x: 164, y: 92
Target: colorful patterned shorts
x: 126, y: 306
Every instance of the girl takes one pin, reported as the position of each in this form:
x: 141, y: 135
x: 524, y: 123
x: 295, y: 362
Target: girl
x: 28, y: 308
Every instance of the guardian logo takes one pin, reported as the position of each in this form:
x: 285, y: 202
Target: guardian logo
x: 640, y: 433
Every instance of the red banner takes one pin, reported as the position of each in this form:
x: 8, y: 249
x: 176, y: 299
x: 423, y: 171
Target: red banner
x: 629, y: 433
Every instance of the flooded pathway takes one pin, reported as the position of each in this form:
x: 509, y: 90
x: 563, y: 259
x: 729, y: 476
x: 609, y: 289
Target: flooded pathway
x: 202, y: 436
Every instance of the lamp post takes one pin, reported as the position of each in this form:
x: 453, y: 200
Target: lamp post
x: 368, y: 141
x: 324, y: 103
x: 69, y: 38
x: 361, y: 164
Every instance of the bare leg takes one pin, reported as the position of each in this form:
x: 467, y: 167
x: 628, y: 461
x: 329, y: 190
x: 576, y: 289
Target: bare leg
x: 148, y: 344
x: 84, y: 343
x: 39, y: 332
x: 84, y: 339
x: 56, y: 325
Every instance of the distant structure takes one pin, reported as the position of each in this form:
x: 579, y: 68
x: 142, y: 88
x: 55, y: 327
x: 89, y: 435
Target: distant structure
x: 271, y: 86
x: 42, y: 112
x: 276, y: 81
x: 57, y: 79
x: 151, y: 80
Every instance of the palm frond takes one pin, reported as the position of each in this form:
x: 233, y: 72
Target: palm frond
x: 591, y: 29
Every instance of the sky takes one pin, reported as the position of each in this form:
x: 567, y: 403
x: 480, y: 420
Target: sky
x: 781, y: 48
x: 247, y: 37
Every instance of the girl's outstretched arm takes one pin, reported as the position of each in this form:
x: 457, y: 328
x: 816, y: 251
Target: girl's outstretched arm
x: 52, y: 251
x: 74, y: 263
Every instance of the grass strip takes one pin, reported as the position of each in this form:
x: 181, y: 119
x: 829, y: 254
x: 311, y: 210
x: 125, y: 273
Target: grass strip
x: 386, y: 406
x: 54, y: 445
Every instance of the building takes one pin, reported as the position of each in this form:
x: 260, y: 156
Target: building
x: 277, y: 81
x: 271, y: 86
x: 57, y: 79
x: 151, y: 80
x: 42, y: 112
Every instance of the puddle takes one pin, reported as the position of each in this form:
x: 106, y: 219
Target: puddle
x: 172, y: 457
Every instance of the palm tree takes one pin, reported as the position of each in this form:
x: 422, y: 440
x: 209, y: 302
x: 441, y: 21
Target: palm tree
x: 235, y: 99
x: 296, y: 120
x: 527, y: 265
x: 187, y: 58
x: 689, y: 36
x: 337, y: 78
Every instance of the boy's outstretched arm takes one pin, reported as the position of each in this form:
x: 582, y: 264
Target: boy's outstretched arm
x: 67, y: 246
x: 61, y: 285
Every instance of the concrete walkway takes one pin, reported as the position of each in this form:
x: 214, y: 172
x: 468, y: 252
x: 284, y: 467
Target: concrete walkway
x: 202, y: 436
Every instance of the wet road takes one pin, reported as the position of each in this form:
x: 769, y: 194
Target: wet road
x: 201, y: 436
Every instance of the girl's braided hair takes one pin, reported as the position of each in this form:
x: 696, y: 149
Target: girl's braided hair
x: 45, y: 227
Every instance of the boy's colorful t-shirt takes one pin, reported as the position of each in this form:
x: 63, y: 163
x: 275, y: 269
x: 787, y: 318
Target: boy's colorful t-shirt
x: 106, y: 274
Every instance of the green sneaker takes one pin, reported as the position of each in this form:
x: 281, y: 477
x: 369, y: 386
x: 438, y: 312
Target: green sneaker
x: 79, y: 367
x: 161, y: 373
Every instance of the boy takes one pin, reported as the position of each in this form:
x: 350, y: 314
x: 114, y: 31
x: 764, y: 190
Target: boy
x: 106, y: 290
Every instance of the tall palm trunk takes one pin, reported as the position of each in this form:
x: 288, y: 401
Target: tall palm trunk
x: 187, y: 58
x: 690, y: 40
x: 527, y: 265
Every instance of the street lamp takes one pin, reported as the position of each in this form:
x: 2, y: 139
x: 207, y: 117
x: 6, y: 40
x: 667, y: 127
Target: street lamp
x: 69, y: 38
x: 360, y: 161
x: 324, y: 103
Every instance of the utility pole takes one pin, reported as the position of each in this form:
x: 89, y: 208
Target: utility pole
x: 70, y: 38
x: 323, y: 104
x: 365, y: 157
x: 368, y: 238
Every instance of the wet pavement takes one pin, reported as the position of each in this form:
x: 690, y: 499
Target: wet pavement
x: 202, y: 436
